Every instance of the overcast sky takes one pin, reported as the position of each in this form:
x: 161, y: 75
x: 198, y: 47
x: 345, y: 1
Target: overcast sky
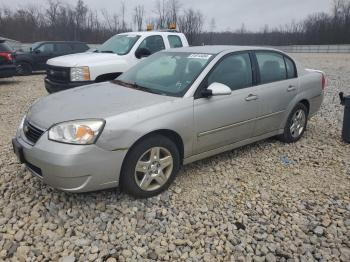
x: 228, y: 14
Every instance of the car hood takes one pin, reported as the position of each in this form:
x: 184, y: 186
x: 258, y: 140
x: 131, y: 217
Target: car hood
x: 100, y: 101
x: 84, y: 59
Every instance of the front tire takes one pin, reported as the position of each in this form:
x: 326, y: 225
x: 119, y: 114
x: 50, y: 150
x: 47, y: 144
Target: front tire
x: 150, y: 167
x: 24, y: 69
x: 296, y: 124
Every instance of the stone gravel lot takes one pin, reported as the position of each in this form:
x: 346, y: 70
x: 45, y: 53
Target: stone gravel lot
x: 264, y: 202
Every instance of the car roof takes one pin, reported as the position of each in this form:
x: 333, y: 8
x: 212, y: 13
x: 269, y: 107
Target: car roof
x: 62, y: 42
x: 216, y: 49
x: 146, y: 33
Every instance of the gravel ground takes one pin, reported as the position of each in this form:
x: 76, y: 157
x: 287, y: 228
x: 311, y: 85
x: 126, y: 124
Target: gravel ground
x: 264, y: 202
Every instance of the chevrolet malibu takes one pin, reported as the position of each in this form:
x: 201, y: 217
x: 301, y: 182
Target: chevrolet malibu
x: 173, y: 108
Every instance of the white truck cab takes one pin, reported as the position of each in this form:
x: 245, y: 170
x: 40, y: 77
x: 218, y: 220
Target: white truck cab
x: 109, y: 60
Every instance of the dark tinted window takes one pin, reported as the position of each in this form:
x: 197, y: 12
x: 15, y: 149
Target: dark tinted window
x: 174, y: 41
x: 291, y: 72
x: 153, y: 43
x: 272, y: 67
x: 46, y: 48
x: 63, y: 48
x: 4, y: 47
x: 235, y: 71
x: 80, y: 47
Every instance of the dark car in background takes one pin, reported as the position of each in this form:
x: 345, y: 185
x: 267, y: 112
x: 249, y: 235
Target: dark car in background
x: 7, y: 65
x: 37, y: 55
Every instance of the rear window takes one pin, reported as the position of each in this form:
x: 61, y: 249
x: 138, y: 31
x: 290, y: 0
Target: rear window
x: 80, y: 47
x: 272, y: 67
x: 63, y: 47
x: 291, y: 72
x: 174, y: 41
x: 5, y: 47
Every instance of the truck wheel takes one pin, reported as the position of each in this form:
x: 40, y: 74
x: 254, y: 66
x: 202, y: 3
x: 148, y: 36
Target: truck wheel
x: 150, y: 167
x: 296, y: 124
x: 24, y: 69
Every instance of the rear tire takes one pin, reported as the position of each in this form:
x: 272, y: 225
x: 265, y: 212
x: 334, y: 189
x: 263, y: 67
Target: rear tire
x: 24, y: 69
x: 295, y: 125
x: 150, y: 167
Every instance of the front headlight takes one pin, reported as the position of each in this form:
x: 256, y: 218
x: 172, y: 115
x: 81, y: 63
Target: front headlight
x: 81, y: 132
x: 80, y: 73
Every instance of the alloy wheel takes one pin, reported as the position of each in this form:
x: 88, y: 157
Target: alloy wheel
x: 154, y: 168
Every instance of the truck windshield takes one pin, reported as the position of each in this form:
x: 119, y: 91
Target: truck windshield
x: 166, y: 73
x: 119, y: 44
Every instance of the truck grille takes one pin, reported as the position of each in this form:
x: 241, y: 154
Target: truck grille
x: 58, y: 74
x: 31, y: 132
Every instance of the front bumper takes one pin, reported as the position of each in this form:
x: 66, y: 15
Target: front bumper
x: 7, y: 71
x: 72, y: 168
x: 53, y: 87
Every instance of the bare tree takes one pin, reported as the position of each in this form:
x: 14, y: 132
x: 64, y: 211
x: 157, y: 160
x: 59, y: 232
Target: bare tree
x: 173, y: 8
x: 191, y: 24
x: 123, y: 10
x: 161, y: 12
x: 139, y: 16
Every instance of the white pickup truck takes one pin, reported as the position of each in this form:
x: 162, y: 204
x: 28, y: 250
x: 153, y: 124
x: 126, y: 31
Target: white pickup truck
x: 108, y: 61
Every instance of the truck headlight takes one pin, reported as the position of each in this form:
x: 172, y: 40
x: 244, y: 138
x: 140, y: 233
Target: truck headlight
x: 80, y: 73
x: 80, y: 132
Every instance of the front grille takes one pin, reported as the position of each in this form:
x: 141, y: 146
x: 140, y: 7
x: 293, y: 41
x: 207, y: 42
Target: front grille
x: 58, y: 74
x: 31, y: 132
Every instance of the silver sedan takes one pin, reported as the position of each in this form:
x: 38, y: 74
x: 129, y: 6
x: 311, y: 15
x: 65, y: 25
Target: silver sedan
x: 173, y: 108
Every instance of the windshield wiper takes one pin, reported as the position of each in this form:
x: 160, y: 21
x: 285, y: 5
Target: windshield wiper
x: 107, y: 51
x: 147, y: 89
x: 138, y: 87
x: 122, y: 83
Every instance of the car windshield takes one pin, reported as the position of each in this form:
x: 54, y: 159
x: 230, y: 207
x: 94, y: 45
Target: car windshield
x: 119, y: 44
x: 166, y: 73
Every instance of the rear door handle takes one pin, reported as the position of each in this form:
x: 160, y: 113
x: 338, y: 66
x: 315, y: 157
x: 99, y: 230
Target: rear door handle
x: 251, y: 97
x: 291, y: 88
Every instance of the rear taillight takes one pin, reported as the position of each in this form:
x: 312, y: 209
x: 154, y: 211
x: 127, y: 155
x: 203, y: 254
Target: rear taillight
x: 6, y: 55
x: 324, y: 82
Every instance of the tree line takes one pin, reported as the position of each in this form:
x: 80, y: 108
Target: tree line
x: 59, y: 20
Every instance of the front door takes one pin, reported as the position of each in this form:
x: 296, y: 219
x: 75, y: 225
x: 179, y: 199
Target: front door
x: 223, y: 120
x: 42, y: 54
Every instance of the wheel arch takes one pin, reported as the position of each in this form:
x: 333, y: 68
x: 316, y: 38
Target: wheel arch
x: 172, y: 135
x: 306, y: 103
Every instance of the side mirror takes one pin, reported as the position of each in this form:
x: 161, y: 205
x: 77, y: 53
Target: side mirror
x: 216, y: 89
x: 142, y: 52
x: 37, y: 51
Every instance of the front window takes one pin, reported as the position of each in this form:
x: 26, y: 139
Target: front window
x: 153, y: 43
x: 167, y: 73
x: 119, y: 44
x: 46, y: 48
x: 234, y: 70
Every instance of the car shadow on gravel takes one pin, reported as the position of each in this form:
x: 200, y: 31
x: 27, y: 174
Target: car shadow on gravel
x: 9, y: 81
x: 228, y: 155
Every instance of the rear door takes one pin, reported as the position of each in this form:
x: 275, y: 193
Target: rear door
x: 223, y: 120
x: 63, y: 49
x: 278, y: 85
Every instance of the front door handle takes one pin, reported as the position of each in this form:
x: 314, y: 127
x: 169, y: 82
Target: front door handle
x: 291, y: 88
x: 251, y: 97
